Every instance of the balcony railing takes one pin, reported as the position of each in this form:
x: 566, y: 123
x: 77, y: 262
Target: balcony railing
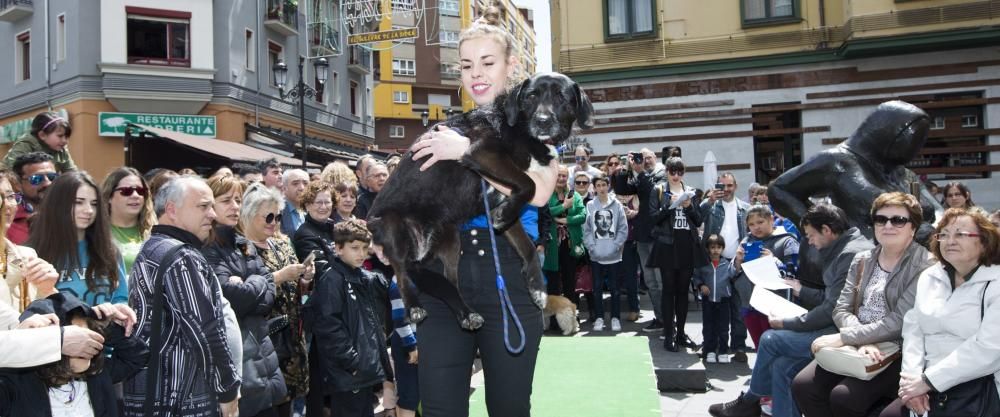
x: 360, y: 59
x: 283, y: 17
x: 325, y: 37
x: 14, y: 10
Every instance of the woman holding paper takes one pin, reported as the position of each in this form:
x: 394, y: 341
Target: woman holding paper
x: 880, y: 288
x: 763, y: 241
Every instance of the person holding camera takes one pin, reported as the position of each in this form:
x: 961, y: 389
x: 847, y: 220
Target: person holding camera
x: 644, y: 173
x: 725, y: 214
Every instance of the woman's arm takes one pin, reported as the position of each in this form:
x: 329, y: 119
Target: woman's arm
x: 444, y: 144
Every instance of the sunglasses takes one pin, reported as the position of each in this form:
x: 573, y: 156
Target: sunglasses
x: 582, y: 182
x: 896, y: 221
x: 36, y: 179
x: 128, y: 191
x: 676, y: 172
x: 613, y: 164
x: 272, y: 218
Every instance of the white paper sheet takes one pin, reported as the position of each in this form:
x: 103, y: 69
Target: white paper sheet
x: 774, y: 305
x: 763, y: 272
x: 681, y: 199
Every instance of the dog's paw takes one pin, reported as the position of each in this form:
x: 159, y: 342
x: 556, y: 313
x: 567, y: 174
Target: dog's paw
x: 539, y: 298
x: 472, y: 321
x: 417, y: 315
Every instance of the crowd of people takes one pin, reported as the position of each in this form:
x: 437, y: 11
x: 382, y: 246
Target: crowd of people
x: 258, y: 292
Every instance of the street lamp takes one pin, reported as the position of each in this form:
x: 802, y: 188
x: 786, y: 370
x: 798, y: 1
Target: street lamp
x: 300, y: 92
x: 425, y: 117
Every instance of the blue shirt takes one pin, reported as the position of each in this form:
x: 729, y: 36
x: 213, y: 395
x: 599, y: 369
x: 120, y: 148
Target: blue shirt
x: 529, y: 220
x: 72, y: 282
x: 291, y: 219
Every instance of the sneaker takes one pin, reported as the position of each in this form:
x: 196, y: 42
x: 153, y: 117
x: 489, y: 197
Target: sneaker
x: 711, y: 358
x: 740, y: 357
x: 735, y: 408
x: 653, y: 327
x: 765, y: 405
x: 616, y: 325
x: 598, y: 325
x: 725, y: 358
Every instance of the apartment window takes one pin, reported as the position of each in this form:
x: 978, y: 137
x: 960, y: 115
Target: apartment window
x: 401, y: 97
x: 764, y: 12
x: 404, y: 67
x: 273, y: 56
x: 250, y: 51
x: 61, y: 38
x: 355, y: 100
x: 449, y: 38
x: 626, y: 19
x: 397, y: 131
x: 158, y: 37
x: 970, y: 121
x: 448, y: 7
x: 938, y: 123
x: 959, y: 151
x: 22, y: 59
x: 450, y: 71
x: 334, y: 83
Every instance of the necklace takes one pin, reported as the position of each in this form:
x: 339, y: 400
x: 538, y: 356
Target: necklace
x: 71, y: 392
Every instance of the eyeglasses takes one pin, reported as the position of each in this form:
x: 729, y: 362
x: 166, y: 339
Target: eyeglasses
x: 941, y: 237
x: 14, y: 198
x: 896, y: 221
x: 323, y: 203
x: 272, y: 218
x: 128, y: 191
x: 36, y: 179
x: 582, y: 182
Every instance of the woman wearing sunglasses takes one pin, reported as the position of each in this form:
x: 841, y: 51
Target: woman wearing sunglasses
x: 20, y: 265
x: 130, y: 209
x: 72, y: 229
x: 880, y: 288
x: 250, y: 288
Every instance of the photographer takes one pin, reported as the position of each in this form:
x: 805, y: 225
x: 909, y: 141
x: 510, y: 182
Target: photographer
x: 642, y: 173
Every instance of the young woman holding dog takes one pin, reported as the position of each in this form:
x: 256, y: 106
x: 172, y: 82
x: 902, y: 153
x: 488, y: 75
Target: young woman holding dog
x: 446, y: 350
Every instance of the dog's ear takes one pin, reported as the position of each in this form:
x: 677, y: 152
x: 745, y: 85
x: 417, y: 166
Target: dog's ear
x: 584, y: 110
x: 512, y: 107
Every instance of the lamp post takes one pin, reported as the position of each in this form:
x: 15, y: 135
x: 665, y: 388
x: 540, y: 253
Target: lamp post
x: 300, y: 92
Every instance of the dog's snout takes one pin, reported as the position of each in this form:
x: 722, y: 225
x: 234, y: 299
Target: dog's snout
x: 543, y: 117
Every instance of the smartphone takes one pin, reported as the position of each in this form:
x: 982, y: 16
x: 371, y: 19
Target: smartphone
x: 309, y: 259
x: 719, y: 186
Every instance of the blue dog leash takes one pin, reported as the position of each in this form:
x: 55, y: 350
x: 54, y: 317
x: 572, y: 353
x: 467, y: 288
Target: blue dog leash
x: 506, y: 306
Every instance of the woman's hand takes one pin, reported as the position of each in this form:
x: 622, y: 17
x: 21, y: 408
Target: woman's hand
x: 830, y: 340
x: 442, y: 144
x: 290, y: 273
x: 38, y: 321
x: 871, y: 352
x: 568, y: 201
x: 41, y: 274
x: 764, y: 252
x: 560, y: 220
x: 121, y: 314
x: 919, y: 404
x: 911, y: 387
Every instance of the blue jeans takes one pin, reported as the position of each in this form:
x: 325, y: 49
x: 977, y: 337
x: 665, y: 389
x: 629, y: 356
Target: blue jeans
x: 780, y: 356
x: 606, y: 274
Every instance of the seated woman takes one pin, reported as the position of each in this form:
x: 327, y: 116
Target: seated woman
x: 73, y: 386
x: 880, y: 288
x: 949, y: 337
x: 20, y: 267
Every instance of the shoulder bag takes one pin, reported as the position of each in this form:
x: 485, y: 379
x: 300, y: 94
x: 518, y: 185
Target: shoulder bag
x: 847, y: 361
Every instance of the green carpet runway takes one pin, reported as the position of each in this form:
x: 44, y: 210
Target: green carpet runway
x: 589, y: 377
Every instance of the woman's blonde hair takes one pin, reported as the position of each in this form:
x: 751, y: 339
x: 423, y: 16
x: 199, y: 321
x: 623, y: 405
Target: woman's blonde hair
x: 488, y: 26
x: 337, y: 172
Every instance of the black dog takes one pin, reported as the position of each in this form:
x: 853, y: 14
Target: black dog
x: 417, y: 215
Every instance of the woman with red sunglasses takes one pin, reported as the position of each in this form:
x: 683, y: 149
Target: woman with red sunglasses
x: 130, y: 211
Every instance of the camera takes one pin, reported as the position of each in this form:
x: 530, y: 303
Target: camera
x: 637, y: 158
x: 720, y: 186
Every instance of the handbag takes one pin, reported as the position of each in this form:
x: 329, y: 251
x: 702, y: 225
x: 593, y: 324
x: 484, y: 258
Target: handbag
x: 975, y: 398
x: 584, y: 279
x: 847, y: 361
